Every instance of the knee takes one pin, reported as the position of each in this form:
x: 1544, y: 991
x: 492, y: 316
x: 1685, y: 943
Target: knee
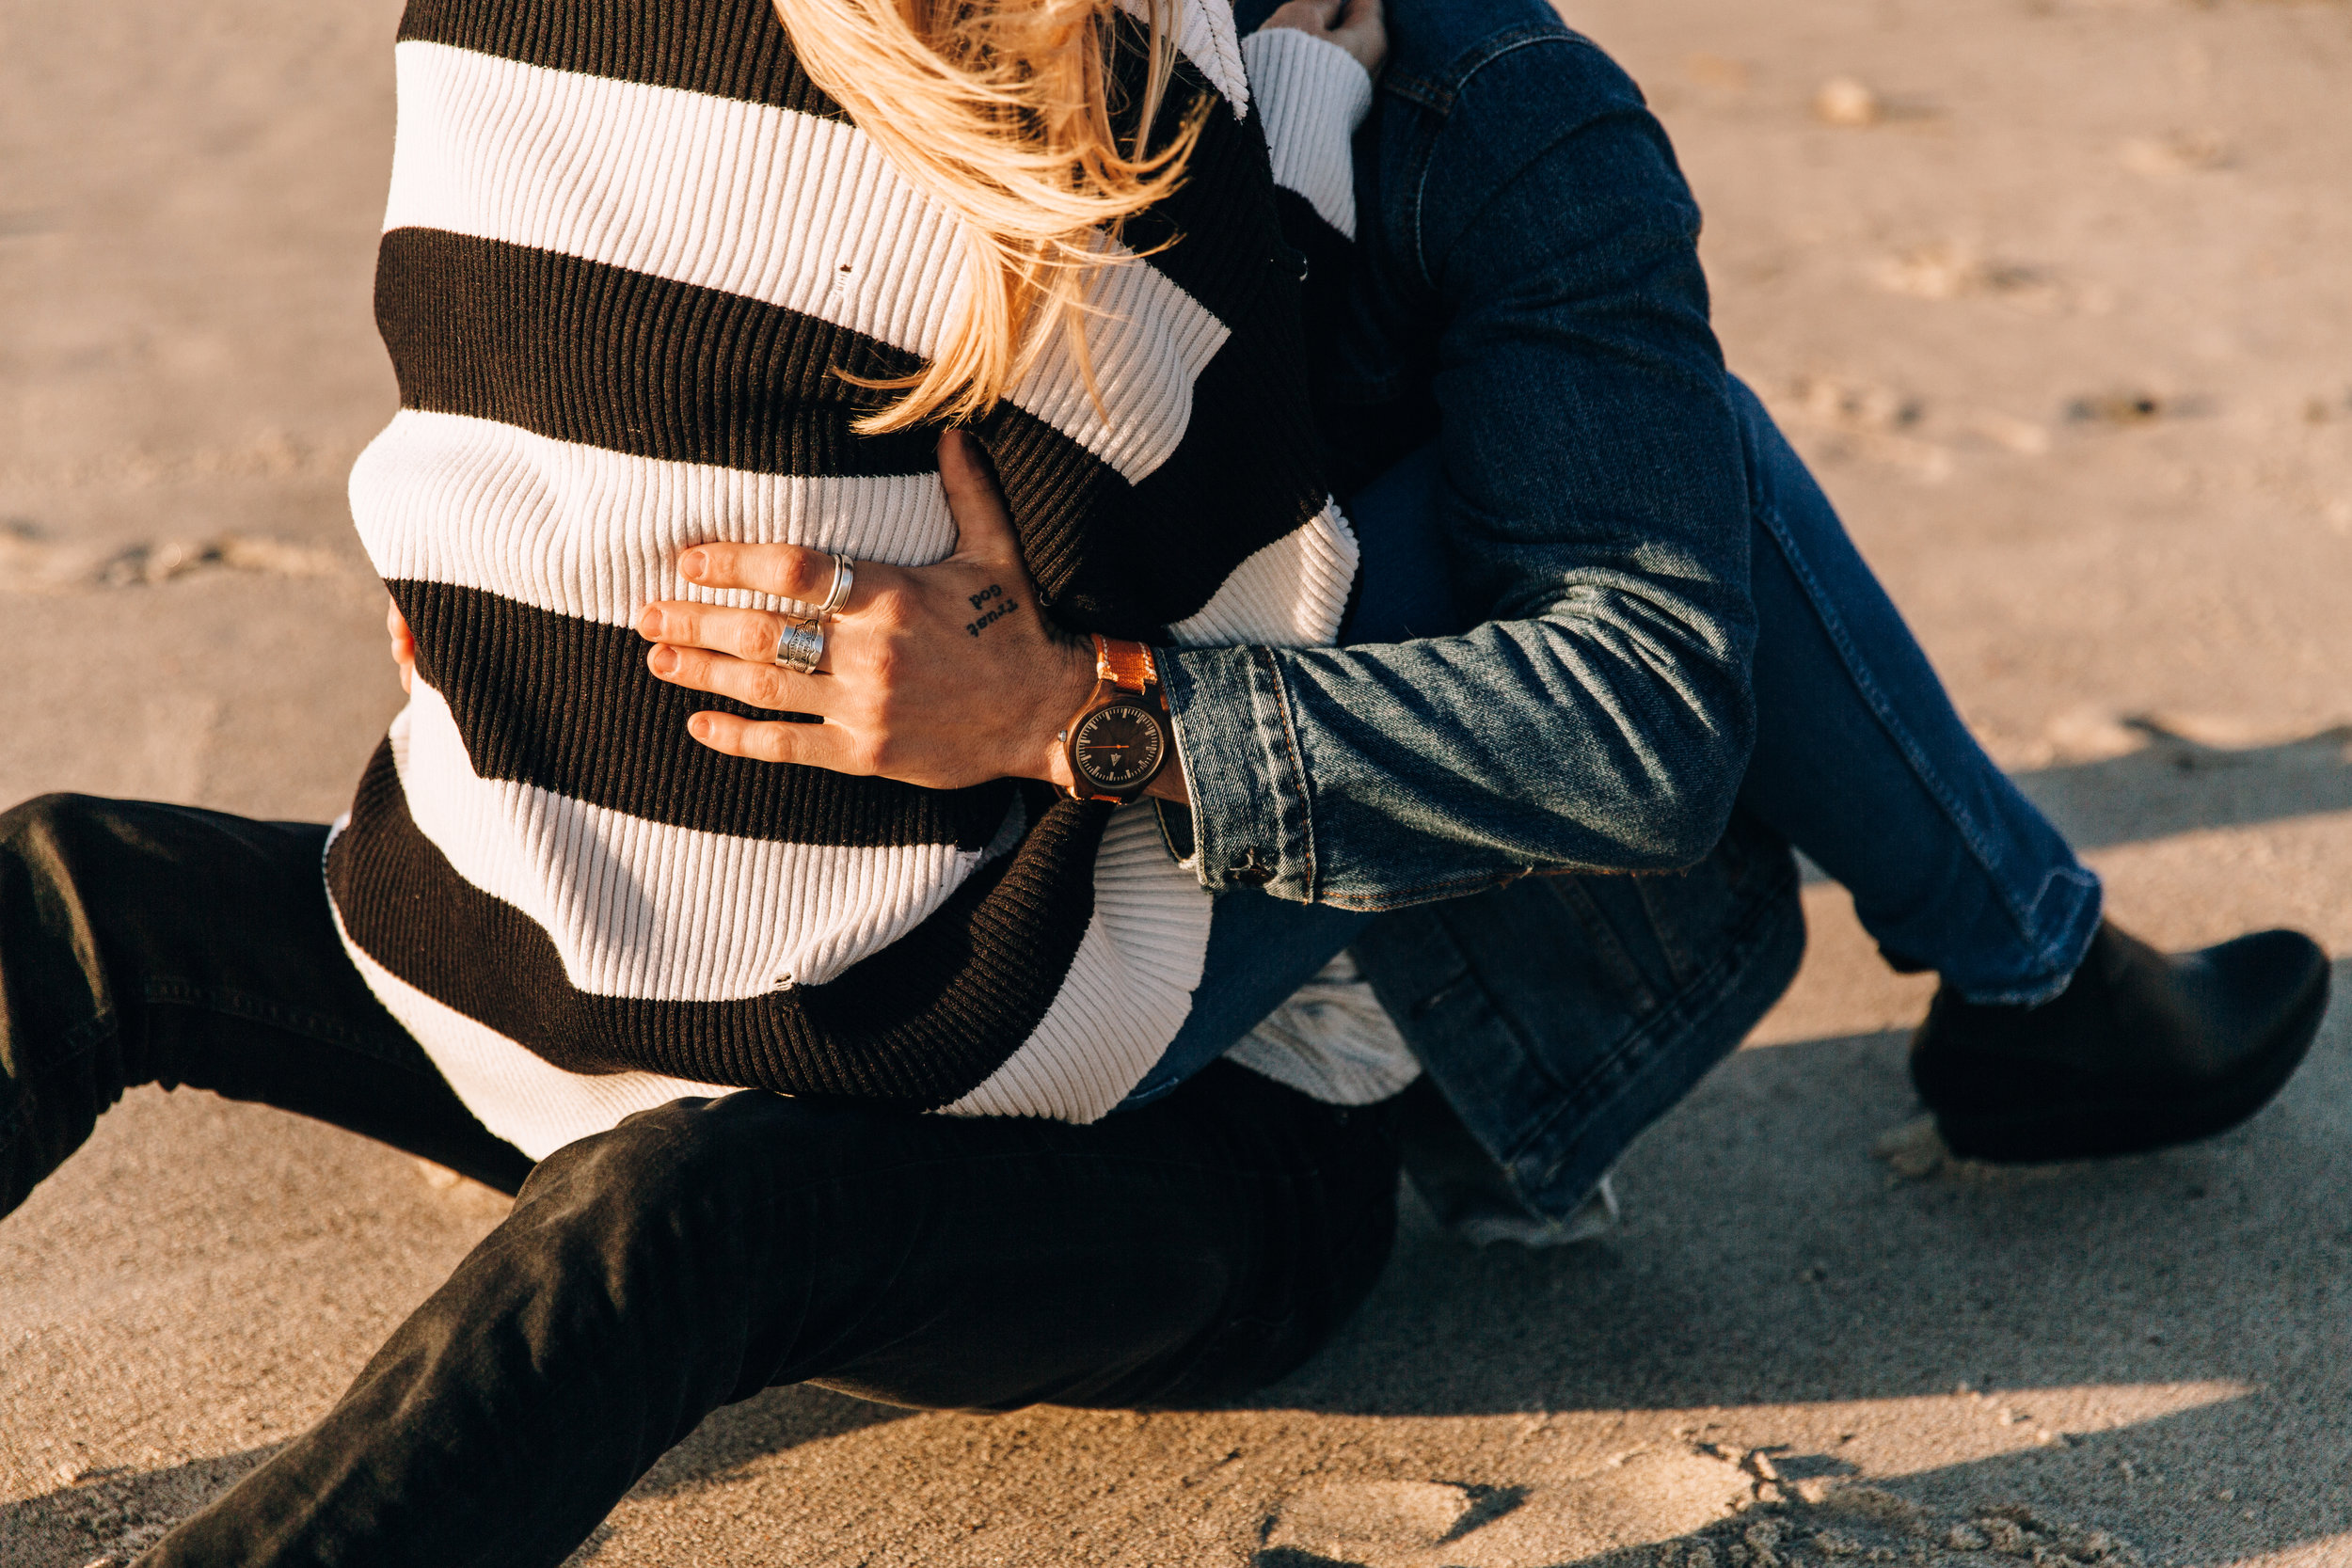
x: 73, y: 844
x: 37, y: 831
x: 651, y: 1159
x: 674, y: 1228
x: 686, y: 1179
x: 52, y: 907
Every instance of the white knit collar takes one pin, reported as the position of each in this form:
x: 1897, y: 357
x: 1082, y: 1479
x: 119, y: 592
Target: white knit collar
x: 1204, y: 36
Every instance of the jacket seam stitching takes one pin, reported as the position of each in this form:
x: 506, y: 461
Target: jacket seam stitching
x: 1405, y: 898
x: 1509, y: 43
x: 1298, y: 768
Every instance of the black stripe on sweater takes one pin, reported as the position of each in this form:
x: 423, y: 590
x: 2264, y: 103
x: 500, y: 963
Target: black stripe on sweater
x: 727, y: 48
x: 1360, y: 440
x: 919, y: 1024
x: 581, y: 352
x: 1247, y: 474
x: 738, y: 49
x: 1215, y: 235
x: 568, y: 705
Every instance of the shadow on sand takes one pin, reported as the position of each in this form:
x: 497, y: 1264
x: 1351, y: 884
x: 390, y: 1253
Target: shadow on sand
x: 1769, y: 1264
x: 2174, y: 785
x: 112, y: 1514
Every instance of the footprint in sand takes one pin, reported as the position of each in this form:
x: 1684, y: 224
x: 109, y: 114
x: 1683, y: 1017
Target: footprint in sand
x: 31, y: 562
x: 1678, y: 1507
x: 1643, y: 1497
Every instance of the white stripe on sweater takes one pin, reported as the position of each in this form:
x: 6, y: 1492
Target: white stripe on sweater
x: 1311, y: 96
x: 528, y: 1100
x: 1128, y: 992
x: 645, y: 909
x: 591, y: 533
x: 786, y: 208
x: 1332, y: 1039
x: 1292, y: 594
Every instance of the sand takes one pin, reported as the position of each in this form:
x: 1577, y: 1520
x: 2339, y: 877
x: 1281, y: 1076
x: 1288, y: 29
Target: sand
x: 2051, y: 290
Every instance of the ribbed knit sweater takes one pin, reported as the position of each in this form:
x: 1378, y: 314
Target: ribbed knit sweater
x: 626, y: 247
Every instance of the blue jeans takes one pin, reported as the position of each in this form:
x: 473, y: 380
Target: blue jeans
x: 1860, y: 762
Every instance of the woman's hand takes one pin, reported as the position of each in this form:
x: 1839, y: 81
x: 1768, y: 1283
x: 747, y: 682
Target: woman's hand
x: 1356, y: 26
x: 942, y: 675
x: 404, y: 644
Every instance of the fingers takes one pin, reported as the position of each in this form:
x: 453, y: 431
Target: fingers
x: 754, y: 684
x: 984, y: 533
x: 745, y: 634
x: 825, y: 746
x: 1355, y: 25
x: 983, y: 522
x: 786, y: 571
x: 1362, y: 31
x: 404, y: 644
x: 911, y: 652
x: 1308, y: 16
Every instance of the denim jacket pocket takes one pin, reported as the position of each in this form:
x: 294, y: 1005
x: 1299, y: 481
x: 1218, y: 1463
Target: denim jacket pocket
x: 1684, y: 914
x: 1561, y: 1015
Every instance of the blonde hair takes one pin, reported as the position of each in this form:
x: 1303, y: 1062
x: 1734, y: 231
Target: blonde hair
x: 1000, y: 110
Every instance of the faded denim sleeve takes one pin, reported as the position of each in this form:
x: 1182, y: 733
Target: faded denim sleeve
x: 1594, y: 496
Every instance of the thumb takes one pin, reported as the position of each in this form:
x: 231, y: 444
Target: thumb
x: 983, y: 522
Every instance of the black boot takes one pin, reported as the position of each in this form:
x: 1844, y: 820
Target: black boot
x: 2140, y: 1051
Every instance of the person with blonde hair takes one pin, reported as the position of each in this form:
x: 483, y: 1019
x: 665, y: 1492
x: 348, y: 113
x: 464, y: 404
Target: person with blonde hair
x: 1037, y: 792
x: 664, y: 282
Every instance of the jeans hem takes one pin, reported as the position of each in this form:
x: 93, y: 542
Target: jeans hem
x: 2081, y: 925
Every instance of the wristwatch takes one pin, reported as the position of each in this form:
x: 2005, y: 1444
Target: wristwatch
x: 1118, y: 742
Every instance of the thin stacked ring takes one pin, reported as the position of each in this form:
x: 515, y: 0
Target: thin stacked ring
x: 844, y: 579
x: 801, y: 645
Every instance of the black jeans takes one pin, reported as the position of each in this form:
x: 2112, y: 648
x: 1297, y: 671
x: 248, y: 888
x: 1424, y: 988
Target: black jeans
x: 693, y: 1256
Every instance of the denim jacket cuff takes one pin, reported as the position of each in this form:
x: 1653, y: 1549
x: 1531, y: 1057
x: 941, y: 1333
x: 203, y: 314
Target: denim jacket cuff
x: 1249, y: 804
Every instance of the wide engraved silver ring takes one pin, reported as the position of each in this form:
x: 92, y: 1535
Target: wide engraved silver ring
x: 844, y: 579
x: 800, y: 647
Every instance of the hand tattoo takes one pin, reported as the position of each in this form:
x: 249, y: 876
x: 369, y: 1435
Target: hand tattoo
x: 998, y: 607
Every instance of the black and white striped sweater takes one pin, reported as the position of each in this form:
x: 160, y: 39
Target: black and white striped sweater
x: 626, y: 245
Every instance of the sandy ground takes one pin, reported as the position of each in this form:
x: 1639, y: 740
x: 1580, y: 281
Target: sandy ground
x: 2063, y: 322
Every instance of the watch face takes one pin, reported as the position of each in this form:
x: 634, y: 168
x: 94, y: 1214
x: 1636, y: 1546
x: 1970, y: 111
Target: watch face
x: 1118, y: 746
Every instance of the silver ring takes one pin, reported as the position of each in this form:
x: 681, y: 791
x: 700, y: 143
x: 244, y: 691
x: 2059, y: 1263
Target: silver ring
x: 844, y: 579
x: 799, y: 647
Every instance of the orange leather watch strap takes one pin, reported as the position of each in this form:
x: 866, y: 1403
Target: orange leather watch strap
x: 1127, y: 665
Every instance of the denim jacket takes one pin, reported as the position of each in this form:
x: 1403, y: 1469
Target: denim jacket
x: 1526, y: 292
